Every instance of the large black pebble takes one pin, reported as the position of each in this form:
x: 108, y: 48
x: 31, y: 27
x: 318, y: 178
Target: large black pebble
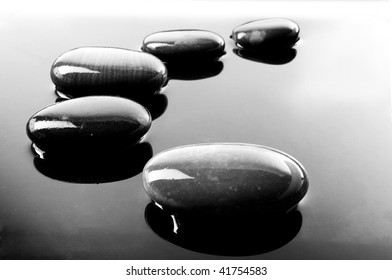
x: 95, y: 123
x: 266, y: 33
x: 188, y: 44
x: 107, y: 71
x: 232, y: 179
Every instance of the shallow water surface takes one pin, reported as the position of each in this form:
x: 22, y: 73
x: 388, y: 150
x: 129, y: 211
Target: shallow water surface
x: 326, y: 102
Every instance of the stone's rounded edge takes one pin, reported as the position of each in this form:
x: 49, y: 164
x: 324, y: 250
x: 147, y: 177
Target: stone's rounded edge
x: 246, y: 25
x: 31, y: 119
x: 163, y: 72
x: 53, y: 77
x: 157, y: 83
x: 268, y: 19
x: 290, y: 205
x: 221, y: 39
x: 232, y: 144
x: 165, y: 75
x: 145, y: 123
x: 82, y: 48
x: 257, y: 21
x: 149, y: 119
x: 212, y: 54
x: 145, y: 127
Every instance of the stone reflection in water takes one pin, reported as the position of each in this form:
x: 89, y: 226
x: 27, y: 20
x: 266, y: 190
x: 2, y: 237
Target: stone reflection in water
x: 89, y: 167
x: 226, y: 236
x: 193, y: 70
x: 156, y: 104
x: 276, y: 56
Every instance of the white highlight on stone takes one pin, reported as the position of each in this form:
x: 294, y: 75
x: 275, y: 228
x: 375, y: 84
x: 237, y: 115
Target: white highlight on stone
x: 158, y: 45
x: 257, y: 36
x: 167, y: 174
x: 53, y: 125
x: 66, y: 69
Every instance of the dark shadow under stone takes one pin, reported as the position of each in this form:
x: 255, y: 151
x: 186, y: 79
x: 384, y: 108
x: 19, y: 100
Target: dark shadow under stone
x: 227, y: 236
x: 91, y: 167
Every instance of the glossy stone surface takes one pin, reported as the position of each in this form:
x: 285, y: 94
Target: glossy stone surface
x: 225, y: 178
x: 89, y: 123
x: 107, y: 71
x: 156, y: 104
x: 191, y: 44
x: 266, y: 33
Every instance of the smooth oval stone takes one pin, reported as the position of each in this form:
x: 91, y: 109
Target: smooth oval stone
x: 107, y: 71
x: 226, y: 178
x: 89, y: 123
x: 276, y: 32
x: 190, y: 44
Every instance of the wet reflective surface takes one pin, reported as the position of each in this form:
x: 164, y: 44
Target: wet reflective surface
x: 225, y: 179
x: 329, y: 107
